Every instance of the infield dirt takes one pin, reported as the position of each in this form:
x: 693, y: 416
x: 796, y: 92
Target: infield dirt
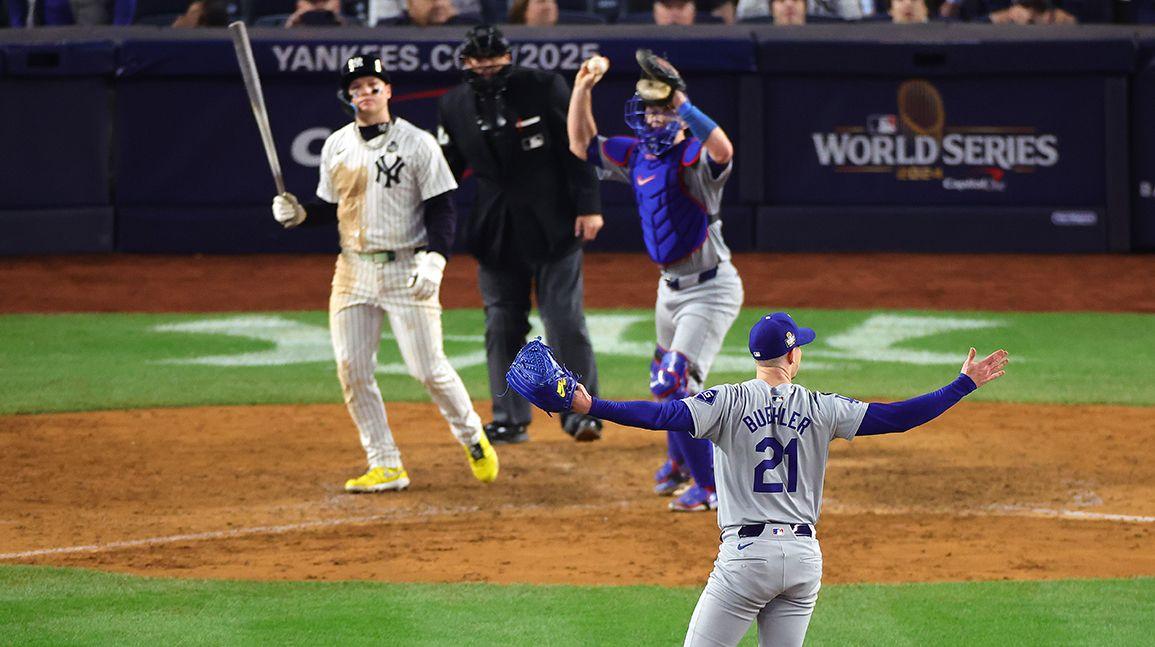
x: 254, y: 492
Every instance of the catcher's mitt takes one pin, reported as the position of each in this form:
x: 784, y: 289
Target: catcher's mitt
x: 537, y: 376
x: 659, y: 79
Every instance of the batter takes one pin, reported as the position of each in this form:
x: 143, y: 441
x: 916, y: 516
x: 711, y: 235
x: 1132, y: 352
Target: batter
x: 772, y: 438
x: 678, y: 183
x: 390, y: 189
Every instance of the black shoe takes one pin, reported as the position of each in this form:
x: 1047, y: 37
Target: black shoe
x: 583, y: 428
x: 503, y: 433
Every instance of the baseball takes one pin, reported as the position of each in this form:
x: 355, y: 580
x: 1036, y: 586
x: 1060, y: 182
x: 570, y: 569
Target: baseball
x: 598, y: 65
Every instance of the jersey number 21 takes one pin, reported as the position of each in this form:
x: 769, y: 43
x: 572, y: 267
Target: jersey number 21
x: 790, y: 452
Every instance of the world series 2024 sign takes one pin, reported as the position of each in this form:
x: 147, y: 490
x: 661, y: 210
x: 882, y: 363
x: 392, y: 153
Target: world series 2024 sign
x: 952, y: 141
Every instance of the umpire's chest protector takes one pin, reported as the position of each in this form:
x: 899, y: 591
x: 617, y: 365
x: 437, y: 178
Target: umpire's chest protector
x: 674, y: 222
x: 523, y: 151
x: 525, y: 205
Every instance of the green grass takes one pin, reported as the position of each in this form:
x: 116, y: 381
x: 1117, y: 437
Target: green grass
x: 47, y: 606
x: 114, y: 361
x: 111, y: 361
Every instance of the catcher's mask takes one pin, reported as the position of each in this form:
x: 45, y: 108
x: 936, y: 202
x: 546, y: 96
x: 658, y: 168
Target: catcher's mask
x: 655, y: 139
x: 484, y: 41
x: 355, y: 68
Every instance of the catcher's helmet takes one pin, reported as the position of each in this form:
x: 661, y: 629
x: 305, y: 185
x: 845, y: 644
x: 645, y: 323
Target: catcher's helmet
x: 654, y: 140
x: 484, y: 41
x: 357, y: 67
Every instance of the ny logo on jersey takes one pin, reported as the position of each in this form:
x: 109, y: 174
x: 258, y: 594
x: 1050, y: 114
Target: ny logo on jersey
x: 391, y: 172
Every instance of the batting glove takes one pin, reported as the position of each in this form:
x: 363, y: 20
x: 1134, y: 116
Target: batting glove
x: 427, y: 277
x: 288, y: 211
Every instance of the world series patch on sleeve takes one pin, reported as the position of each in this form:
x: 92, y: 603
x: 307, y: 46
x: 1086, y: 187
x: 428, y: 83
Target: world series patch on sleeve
x: 536, y: 374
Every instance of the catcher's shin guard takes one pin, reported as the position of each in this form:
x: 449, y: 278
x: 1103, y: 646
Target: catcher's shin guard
x: 670, y: 377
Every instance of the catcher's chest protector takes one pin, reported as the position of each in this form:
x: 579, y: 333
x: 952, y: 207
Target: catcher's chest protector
x: 674, y: 224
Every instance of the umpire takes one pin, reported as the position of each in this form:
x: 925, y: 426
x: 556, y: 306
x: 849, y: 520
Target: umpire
x: 536, y: 204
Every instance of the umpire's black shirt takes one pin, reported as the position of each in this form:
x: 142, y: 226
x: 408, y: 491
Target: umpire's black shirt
x: 530, y: 186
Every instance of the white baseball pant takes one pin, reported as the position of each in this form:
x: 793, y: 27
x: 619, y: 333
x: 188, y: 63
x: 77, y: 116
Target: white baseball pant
x: 364, y: 292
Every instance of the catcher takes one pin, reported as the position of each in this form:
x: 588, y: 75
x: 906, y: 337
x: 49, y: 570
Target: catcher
x: 677, y: 181
x: 773, y: 438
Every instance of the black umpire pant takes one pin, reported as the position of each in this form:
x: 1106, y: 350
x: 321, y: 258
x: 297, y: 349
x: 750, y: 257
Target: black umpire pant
x: 559, y: 288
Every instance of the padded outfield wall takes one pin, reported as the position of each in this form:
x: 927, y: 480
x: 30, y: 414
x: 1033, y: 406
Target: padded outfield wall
x: 943, y: 137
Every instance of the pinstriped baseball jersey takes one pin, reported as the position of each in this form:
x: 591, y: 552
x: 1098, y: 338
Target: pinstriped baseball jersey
x: 773, y: 444
x: 379, y: 186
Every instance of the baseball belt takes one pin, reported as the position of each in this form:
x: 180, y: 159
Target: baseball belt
x: 683, y: 282
x: 756, y: 529
x: 387, y: 256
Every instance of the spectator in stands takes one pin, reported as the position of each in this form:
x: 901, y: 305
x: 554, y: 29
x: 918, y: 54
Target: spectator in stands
x: 783, y: 12
x: 906, y: 12
x: 430, y: 13
x: 840, y: 9
x: 204, y: 13
x: 381, y: 11
x: 1031, y: 12
x: 950, y: 9
x: 535, y: 13
x: 788, y: 12
x: 316, y: 13
x: 1017, y: 12
x: 674, y: 12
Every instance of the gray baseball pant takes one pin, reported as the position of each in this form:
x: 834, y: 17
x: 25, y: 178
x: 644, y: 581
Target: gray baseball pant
x: 694, y: 321
x: 774, y: 578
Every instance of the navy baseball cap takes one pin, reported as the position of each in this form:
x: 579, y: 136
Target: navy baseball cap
x: 776, y: 334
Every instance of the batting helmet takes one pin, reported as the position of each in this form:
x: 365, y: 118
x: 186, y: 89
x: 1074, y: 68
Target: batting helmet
x: 361, y: 66
x: 484, y: 41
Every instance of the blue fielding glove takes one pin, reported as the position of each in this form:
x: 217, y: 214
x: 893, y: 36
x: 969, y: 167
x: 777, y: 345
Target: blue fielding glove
x: 538, y: 377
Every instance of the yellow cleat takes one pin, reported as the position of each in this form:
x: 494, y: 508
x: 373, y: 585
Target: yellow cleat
x: 379, y: 479
x: 483, y: 460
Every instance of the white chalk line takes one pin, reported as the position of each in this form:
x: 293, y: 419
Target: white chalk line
x: 993, y: 510
x: 294, y: 527
x: 997, y: 510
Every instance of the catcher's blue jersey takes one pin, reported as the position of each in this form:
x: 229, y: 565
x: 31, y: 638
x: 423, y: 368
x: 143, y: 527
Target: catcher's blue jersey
x: 678, y: 198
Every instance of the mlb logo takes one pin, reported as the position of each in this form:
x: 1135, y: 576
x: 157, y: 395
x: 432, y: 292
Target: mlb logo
x: 882, y: 124
x: 530, y: 143
x: 778, y: 531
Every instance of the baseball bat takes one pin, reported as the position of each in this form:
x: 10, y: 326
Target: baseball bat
x: 248, y: 66
x: 31, y: 22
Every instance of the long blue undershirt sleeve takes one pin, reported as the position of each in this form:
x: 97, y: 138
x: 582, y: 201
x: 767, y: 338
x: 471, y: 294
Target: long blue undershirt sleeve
x: 880, y: 418
x: 897, y: 417
x: 672, y: 416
